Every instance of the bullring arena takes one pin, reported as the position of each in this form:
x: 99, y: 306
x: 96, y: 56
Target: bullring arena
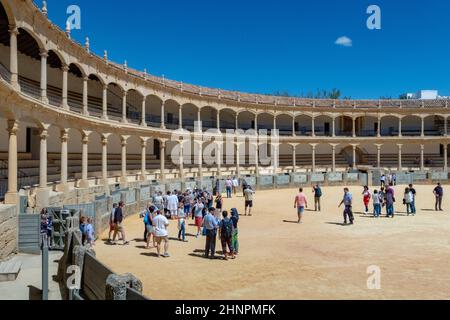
x: 82, y: 132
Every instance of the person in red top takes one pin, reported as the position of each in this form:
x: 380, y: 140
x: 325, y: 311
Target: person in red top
x: 366, y: 199
x: 301, y: 202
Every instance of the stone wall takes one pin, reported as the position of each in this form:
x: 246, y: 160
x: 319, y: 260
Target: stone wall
x: 9, y: 223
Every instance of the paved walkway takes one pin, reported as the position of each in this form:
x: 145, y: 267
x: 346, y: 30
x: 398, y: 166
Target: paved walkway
x: 28, y: 284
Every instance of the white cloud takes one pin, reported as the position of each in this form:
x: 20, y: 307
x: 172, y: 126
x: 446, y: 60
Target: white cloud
x: 344, y: 41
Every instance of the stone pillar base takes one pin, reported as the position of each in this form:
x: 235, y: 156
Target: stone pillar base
x: 64, y: 187
x: 105, y: 117
x: 42, y: 197
x: 12, y: 198
x: 83, y: 184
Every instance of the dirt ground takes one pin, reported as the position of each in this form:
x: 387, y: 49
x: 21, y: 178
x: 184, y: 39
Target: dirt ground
x: 320, y: 259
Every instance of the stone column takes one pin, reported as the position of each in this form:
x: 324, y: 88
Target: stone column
x: 105, y: 181
x: 162, y: 152
x: 163, y: 121
x: 199, y: 143
x: 181, y: 159
x: 313, y: 148
x: 124, y: 107
x: 378, y: 154
x: 84, y: 183
x: 219, y: 158
x: 65, y: 70
x: 422, y: 134
x: 13, y: 31
x: 333, y: 157
x: 180, y: 116
x: 256, y: 123
x: 143, y: 111
x: 144, y: 141
x: 445, y: 157
x: 199, y: 119
x: 445, y: 126
x: 11, y: 196
x: 334, y: 127
x: 85, y: 96
x: 123, y: 175
x: 294, y: 157
x: 44, y: 55
x: 238, y: 159
x: 218, y: 120
x: 256, y: 146
x: 274, y: 123
x: 236, y: 122
x: 354, y: 156
x: 353, y: 127
x: 313, y: 127
x: 400, y: 166
x: 379, y: 127
x: 43, y: 158
x: 400, y: 127
x: 293, y: 127
x: 422, y: 157
x: 62, y: 187
x: 275, y: 157
x: 105, y: 102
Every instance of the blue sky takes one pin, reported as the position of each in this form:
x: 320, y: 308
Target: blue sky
x: 270, y: 46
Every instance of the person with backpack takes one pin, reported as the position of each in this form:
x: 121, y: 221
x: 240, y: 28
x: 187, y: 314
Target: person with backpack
x: 235, y: 239
x: 226, y: 235
x: 111, y: 222
x: 118, y: 220
x: 317, y: 196
x: 148, y: 221
x: 211, y: 225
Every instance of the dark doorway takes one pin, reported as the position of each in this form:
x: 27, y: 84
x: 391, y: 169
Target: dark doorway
x: 327, y: 129
x: 28, y: 141
x: 156, y: 149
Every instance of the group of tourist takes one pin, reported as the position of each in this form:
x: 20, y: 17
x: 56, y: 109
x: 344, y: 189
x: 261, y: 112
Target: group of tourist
x: 199, y: 205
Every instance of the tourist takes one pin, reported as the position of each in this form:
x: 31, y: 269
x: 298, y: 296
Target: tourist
x: 244, y: 187
x: 219, y: 204
x: 158, y: 201
x: 111, y: 222
x: 187, y: 203
x: 390, y: 200
x: 366, y: 199
x: 83, y: 223
x: 347, y: 201
x: 210, y: 224
x: 118, y: 220
x: 226, y: 227
x: 394, y: 179
x: 235, y: 185
x: 438, y: 194
x: 229, y: 186
x: 182, y: 223
x: 413, y: 203
x: 377, y: 202
x: 248, y: 194
x: 148, y: 221
x: 383, y: 181
x: 172, y: 204
x: 90, y: 234
x: 300, y: 204
x: 317, y: 196
x: 235, y: 241
x: 407, y: 200
x: 198, y: 215
x: 160, y: 224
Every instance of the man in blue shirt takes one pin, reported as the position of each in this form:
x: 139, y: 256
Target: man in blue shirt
x: 348, y: 202
x: 439, y: 194
x: 211, y: 224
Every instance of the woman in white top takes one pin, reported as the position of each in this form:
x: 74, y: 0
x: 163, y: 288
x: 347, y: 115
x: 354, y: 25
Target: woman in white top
x: 172, y: 204
x: 408, y: 198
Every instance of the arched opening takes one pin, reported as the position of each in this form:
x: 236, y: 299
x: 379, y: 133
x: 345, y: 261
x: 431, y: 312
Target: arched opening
x: 29, y: 64
x: 435, y: 125
x: 284, y: 125
x: 172, y: 114
x: 54, y: 79
x: 323, y: 126
x: 153, y: 111
x: 389, y: 126
x: 265, y: 122
x: 412, y: 126
x: 344, y: 126
x: 209, y: 118
x: 190, y: 114
x: 227, y: 120
x: 303, y: 125
x: 95, y: 96
x: 115, y: 97
x: 246, y: 121
x: 366, y: 126
x: 134, y: 105
x: 75, y: 88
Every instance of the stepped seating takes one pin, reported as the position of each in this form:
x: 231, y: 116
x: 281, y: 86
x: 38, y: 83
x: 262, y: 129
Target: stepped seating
x: 408, y: 160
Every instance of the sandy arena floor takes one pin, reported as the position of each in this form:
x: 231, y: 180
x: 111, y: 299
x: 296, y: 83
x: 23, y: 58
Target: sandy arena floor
x: 320, y: 259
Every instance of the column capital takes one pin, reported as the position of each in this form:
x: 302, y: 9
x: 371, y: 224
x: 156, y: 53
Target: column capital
x: 313, y: 145
x: 422, y: 147
x: 13, y: 127
x: 43, y: 53
x: 144, y: 140
x: 64, y: 135
x: 65, y: 67
x: 162, y: 142
x: 124, y: 140
x: 334, y: 145
x: 13, y: 30
x: 399, y: 145
x: 85, y: 136
x: 104, y: 138
x: 378, y: 145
